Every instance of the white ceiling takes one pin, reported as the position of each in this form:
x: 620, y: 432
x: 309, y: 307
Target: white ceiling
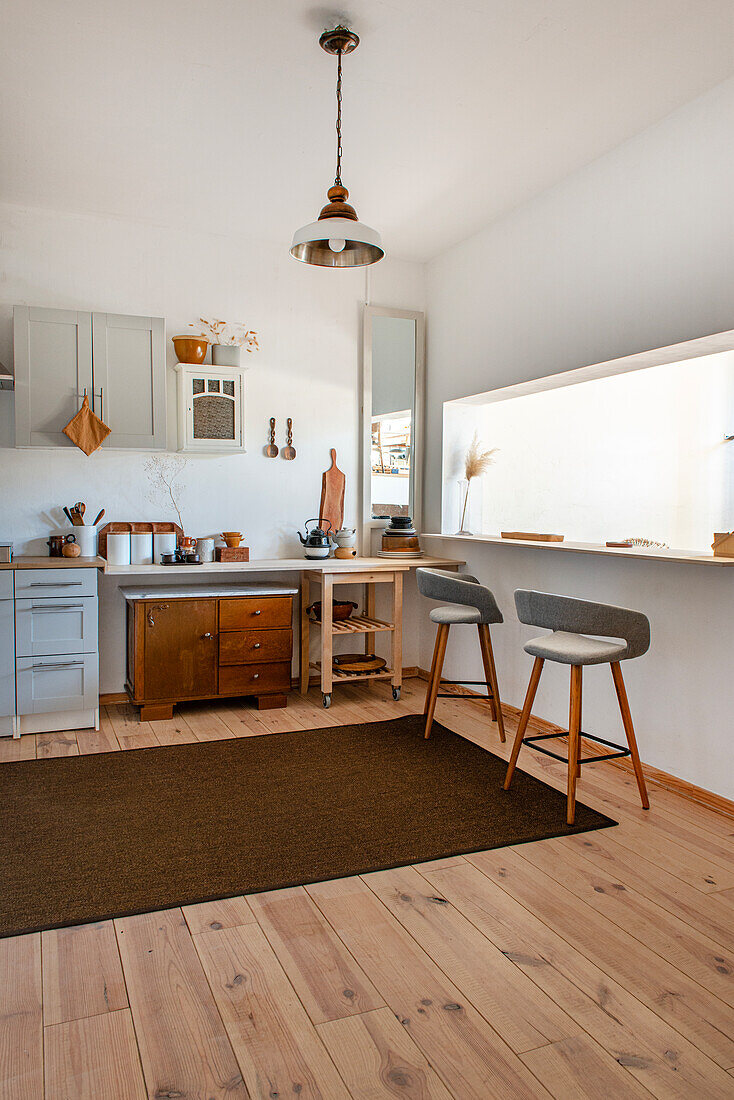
x: 219, y: 115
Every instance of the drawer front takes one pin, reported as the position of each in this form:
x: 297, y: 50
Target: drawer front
x: 43, y: 583
x: 255, y: 612
x: 6, y: 584
x: 7, y: 668
x: 244, y: 646
x: 68, y: 682
x: 254, y: 679
x: 44, y: 627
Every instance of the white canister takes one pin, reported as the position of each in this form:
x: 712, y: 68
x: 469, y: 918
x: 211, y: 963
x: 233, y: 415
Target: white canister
x: 141, y: 548
x: 205, y: 548
x: 85, y: 538
x: 118, y: 547
x: 164, y: 542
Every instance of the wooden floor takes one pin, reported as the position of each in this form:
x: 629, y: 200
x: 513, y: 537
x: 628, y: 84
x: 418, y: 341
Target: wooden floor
x: 598, y: 965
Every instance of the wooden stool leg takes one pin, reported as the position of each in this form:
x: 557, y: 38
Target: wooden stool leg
x: 490, y: 675
x: 629, y: 729
x: 574, y: 730
x: 524, y: 719
x: 442, y: 637
x: 429, y: 685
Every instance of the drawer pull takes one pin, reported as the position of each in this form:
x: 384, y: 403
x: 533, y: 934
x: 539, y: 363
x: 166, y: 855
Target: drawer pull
x: 44, y: 609
x: 55, y: 584
x: 258, y: 612
x: 256, y: 645
x: 59, y: 664
x: 256, y: 676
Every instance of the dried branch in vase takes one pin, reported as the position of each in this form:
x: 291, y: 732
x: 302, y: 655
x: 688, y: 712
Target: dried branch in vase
x: 225, y: 332
x: 476, y: 464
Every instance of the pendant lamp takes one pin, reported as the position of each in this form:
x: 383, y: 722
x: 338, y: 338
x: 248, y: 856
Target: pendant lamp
x: 338, y: 238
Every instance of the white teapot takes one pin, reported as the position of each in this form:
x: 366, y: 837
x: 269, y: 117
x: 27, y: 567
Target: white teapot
x: 347, y: 536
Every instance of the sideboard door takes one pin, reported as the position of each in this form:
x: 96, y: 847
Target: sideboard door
x: 180, y: 649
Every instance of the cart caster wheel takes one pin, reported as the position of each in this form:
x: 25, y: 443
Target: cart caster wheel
x: 326, y: 700
x: 396, y: 694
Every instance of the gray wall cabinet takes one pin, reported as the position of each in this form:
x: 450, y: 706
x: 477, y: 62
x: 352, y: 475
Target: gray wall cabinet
x: 119, y: 361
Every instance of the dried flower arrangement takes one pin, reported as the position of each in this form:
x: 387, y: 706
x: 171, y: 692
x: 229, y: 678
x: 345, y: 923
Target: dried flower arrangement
x: 224, y: 332
x: 163, y: 472
x: 476, y: 464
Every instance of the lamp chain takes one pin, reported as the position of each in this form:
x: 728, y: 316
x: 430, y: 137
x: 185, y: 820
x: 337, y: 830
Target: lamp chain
x: 338, y: 177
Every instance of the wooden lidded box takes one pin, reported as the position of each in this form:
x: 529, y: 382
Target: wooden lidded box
x: 188, y: 642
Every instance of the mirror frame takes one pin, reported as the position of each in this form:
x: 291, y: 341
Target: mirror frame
x: 416, y: 483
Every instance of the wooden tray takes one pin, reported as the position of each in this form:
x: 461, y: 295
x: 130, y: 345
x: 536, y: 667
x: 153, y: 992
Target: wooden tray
x: 531, y: 536
x: 155, y: 526
x: 358, y: 662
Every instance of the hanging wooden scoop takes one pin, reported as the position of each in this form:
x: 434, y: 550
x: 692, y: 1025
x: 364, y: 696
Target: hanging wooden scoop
x: 289, y: 451
x: 271, y: 450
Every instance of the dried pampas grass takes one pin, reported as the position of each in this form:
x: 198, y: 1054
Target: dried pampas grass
x: 476, y: 464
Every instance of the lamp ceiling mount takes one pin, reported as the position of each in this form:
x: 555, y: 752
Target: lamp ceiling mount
x: 340, y: 39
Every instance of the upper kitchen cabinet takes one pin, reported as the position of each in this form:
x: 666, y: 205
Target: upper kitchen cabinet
x: 118, y: 361
x: 129, y: 367
x: 53, y: 371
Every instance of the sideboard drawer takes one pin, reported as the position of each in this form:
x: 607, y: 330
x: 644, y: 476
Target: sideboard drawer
x: 255, y: 612
x: 254, y: 679
x: 41, y: 583
x: 67, y: 682
x: 240, y: 646
x: 49, y: 626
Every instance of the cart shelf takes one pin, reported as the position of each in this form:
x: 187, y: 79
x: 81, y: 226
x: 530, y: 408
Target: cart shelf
x: 347, y: 677
x: 357, y: 624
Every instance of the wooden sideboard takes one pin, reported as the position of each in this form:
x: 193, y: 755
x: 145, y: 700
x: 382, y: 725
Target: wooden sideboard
x: 188, y: 643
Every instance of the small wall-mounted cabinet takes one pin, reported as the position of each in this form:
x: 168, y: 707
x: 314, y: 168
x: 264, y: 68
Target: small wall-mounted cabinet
x: 118, y: 361
x: 211, y: 403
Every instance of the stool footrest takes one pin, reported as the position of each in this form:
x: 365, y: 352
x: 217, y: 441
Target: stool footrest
x: 622, y: 750
x: 488, y: 698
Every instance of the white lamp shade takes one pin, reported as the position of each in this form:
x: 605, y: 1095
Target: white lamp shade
x: 362, y: 244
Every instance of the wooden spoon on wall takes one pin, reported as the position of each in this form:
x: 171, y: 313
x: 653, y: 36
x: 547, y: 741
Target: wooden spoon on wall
x: 271, y: 450
x: 289, y: 451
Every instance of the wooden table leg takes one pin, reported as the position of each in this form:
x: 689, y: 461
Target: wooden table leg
x: 397, y: 633
x: 305, y: 634
x: 369, y: 610
x: 327, y: 638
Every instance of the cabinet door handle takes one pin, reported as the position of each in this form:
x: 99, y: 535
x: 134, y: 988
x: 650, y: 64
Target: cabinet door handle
x: 256, y: 645
x: 256, y: 676
x: 157, y: 607
x: 257, y: 612
x: 101, y: 402
x: 207, y: 635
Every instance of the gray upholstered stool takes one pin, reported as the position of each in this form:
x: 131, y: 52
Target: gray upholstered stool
x: 618, y: 635
x: 472, y: 604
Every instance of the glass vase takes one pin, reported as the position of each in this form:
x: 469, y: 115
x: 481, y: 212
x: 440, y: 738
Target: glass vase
x: 464, y: 487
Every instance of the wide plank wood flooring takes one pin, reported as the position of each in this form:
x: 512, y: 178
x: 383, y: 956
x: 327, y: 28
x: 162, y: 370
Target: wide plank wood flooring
x: 599, y: 965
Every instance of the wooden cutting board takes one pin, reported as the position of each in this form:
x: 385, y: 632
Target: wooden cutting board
x: 333, y: 483
x: 531, y: 536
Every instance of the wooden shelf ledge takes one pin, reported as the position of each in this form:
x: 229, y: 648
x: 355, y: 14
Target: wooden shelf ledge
x: 687, y: 557
x: 357, y: 624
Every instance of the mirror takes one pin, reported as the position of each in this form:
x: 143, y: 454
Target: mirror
x: 392, y: 416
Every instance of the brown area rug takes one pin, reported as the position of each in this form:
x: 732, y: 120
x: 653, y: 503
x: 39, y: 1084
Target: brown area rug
x: 86, y: 838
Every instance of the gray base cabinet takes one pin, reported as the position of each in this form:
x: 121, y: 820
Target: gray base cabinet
x: 7, y: 656
x: 118, y: 361
x: 56, y: 659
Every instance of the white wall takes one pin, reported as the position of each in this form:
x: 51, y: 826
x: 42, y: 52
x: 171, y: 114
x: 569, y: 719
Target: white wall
x: 309, y: 325
x: 635, y: 251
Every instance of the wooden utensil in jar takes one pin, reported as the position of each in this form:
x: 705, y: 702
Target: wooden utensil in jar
x: 271, y: 450
x: 80, y: 509
x: 289, y: 451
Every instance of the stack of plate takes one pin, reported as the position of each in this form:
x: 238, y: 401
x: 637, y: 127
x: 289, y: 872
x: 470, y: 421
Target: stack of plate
x: 400, y: 539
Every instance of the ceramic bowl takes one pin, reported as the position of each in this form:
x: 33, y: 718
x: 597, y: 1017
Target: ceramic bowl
x: 190, y: 349
x: 232, y: 538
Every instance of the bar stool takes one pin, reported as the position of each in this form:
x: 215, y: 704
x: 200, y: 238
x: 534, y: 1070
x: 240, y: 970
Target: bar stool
x: 478, y: 607
x: 571, y: 620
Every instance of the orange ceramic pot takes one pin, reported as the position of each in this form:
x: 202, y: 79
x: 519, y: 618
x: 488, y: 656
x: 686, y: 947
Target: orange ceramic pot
x: 190, y: 349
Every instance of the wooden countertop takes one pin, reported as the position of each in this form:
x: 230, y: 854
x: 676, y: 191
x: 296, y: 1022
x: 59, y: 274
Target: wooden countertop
x: 643, y: 553
x: 30, y: 561
x: 281, y: 565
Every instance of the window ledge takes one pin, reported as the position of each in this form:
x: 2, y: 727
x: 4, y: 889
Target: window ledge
x: 689, y: 557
